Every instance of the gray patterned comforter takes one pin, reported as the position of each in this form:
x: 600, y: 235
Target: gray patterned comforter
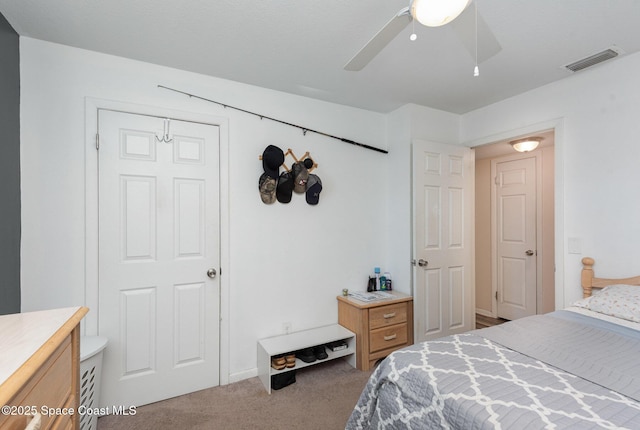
x: 471, y: 381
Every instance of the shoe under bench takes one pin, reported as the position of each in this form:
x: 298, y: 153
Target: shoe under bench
x: 289, y: 343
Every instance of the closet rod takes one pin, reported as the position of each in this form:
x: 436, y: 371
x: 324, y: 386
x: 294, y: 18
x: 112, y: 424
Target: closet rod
x: 304, y: 129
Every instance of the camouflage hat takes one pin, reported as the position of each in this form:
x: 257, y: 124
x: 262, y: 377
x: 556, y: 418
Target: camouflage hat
x: 314, y: 186
x: 267, y: 187
x: 300, y: 177
x: 285, y: 187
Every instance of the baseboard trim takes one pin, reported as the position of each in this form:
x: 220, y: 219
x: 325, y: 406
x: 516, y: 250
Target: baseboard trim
x: 245, y: 374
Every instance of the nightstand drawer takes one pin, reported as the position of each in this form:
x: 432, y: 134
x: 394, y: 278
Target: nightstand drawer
x: 388, y: 315
x: 387, y: 337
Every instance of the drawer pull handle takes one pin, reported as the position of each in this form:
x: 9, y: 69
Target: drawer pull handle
x: 391, y: 337
x: 387, y: 316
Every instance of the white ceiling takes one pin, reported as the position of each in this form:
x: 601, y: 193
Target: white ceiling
x: 301, y: 46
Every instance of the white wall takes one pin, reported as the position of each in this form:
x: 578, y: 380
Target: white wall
x: 287, y: 262
x: 407, y: 124
x: 598, y: 155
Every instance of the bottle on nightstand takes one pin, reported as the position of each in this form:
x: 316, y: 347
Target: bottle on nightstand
x: 387, y: 280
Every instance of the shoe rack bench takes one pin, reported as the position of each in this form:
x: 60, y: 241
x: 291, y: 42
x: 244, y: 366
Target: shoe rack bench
x: 288, y: 343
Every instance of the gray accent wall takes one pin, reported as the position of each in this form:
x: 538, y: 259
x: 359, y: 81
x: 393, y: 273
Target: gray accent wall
x: 9, y: 169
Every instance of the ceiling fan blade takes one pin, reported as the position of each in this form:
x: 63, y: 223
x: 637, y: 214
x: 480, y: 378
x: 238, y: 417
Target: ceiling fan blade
x: 465, y: 28
x: 379, y: 41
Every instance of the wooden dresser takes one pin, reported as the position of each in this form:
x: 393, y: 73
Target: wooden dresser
x: 40, y: 368
x: 381, y: 326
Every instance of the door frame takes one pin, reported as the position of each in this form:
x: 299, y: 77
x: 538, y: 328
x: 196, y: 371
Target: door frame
x: 557, y: 125
x: 494, y: 226
x: 92, y: 105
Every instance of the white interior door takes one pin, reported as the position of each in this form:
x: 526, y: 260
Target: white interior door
x: 158, y: 237
x: 443, y: 222
x: 515, y: 221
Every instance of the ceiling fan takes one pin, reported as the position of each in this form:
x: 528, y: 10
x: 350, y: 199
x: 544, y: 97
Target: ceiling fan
x: 473, y: 31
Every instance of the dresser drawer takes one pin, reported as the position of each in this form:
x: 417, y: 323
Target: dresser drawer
x: 50, y: 387
x: 54, y: 388
x: 388, y: 315
x: 387, y: 337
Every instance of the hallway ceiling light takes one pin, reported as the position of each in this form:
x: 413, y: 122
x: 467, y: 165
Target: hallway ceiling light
x: 434, y: 13
x: 527, y: 144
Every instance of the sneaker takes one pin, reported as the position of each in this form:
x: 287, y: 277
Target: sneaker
x: 320, y: 352
x: 278, y: 363
x: 290, y: 360
x: 307, y: 355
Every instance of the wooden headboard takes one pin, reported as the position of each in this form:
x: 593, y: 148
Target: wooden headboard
x: 589, y: 281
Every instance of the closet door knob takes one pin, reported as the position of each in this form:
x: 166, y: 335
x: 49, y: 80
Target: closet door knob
x: 529, y: 252
x: 212, y: 273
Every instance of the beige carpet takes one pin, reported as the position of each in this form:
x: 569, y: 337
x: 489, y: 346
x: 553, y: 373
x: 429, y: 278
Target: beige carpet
x: 321, y: 398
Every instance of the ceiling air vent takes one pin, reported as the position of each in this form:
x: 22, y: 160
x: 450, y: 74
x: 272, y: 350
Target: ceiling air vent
x: 592, y: 60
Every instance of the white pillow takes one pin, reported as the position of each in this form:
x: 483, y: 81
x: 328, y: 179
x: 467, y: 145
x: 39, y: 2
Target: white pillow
x: 621, y: 301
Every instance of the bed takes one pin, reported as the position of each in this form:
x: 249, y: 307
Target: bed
x: 575, y: 368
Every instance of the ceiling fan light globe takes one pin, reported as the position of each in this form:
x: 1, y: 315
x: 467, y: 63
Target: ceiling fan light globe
x: 434, y: 13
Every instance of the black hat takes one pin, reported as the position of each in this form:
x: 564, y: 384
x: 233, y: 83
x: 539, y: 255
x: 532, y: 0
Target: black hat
x: 272, y: 158
x: 314, y: 186
x: 267, y: 187
x: 285, y: 187
x: 308, y: 163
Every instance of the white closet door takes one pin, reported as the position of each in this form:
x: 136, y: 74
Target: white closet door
x: 158, y: 238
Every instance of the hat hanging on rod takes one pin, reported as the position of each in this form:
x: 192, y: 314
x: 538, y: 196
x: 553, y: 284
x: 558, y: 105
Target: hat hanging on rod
x: 526, y: 144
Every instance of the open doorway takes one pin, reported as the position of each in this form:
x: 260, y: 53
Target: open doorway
x: 502, y: 289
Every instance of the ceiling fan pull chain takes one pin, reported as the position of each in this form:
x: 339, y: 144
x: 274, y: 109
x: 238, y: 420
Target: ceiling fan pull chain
x: 476, y: 71
x: 413, y: 36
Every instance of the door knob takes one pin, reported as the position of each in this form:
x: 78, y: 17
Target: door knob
x: 422, y: 263
x: 529, y: 252
x: 212, y: 273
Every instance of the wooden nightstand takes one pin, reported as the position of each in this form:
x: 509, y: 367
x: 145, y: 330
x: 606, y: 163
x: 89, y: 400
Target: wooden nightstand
x: 381, y: 326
